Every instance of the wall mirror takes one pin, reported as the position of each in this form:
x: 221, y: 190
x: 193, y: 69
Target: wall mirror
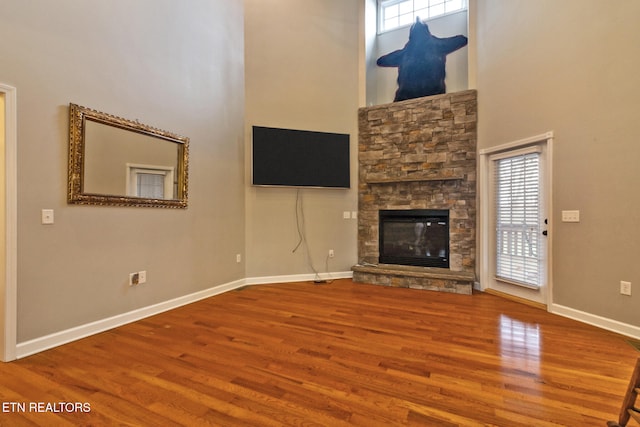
x: 119, y: 162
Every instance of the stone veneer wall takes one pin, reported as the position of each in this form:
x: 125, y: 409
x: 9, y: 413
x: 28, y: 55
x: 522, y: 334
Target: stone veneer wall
x: 420, y: 154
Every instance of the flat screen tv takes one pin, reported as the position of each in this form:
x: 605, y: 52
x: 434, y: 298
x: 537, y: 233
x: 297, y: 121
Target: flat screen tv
x: 300, y: 158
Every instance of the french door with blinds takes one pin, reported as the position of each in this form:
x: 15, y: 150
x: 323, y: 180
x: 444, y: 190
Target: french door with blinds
x: 516, y: 227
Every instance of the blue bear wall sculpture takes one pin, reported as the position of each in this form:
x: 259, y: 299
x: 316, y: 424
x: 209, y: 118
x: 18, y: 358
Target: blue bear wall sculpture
x: 421, y: 62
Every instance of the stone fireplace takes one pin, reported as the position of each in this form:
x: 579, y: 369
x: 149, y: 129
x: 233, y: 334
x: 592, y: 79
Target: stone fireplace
x: 418, y: 157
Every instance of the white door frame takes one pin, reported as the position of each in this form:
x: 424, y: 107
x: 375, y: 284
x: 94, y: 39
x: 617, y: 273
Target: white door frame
x: 485, y: 210
x: 8, y: 283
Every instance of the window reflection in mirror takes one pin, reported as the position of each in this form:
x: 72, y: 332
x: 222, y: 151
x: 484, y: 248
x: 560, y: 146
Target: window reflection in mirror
x: 123, y: 163
x: 114, y: 161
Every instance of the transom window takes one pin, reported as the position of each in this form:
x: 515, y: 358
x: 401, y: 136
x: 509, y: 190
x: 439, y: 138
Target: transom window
x: 399, y: 13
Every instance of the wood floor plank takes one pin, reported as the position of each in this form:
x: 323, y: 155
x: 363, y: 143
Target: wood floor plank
x: 339, y: 354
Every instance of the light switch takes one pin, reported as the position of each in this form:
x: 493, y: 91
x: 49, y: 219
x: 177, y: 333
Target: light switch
x: 346, y: 215
x: 47, y: 216
x: 570, y: 216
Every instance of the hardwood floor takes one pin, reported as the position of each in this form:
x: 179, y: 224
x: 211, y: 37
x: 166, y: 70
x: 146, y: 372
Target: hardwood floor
x: 339, y: 354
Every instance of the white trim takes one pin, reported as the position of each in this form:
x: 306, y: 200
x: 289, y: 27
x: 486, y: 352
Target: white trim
x: 516, y: 283
x: 595, y: 320
x: 59, y: 338
x: 298, y: 278
x: 484, y: 211
x: 517, y: 144
x: 11, y: 226
x: 517, y: 152
x: 63, y: 337
x: 549, y: 207
x: 37, y: 345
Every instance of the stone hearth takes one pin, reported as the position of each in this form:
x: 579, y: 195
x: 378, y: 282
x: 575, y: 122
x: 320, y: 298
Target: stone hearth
x: 419, y: 154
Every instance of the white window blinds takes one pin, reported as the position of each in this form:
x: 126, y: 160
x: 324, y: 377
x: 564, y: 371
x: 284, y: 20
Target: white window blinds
x: 150, y: 185
x: 518, y: 217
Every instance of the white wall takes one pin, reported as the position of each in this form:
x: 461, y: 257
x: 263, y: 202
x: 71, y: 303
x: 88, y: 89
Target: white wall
x: 169, y: 66
x: 571, y: 67
x: 302, y: 72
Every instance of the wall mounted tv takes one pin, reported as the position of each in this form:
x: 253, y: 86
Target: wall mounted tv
x: 300, y: 158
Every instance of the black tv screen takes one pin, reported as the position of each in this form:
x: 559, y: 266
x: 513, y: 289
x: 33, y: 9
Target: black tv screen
x: 300, y: 158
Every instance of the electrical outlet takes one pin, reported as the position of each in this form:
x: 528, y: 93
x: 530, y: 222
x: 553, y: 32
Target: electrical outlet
x: 238, y: 258
x: 331, y: 253
x: 134, y: 279
x: 142, y: 277
x: 625, y: 288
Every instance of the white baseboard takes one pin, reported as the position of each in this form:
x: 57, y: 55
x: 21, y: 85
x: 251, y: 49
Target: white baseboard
x: 298, y: 278
x: 37, y: 345
x: 592, y: 319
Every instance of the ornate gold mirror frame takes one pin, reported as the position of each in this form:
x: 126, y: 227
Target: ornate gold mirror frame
x: 119, y: 162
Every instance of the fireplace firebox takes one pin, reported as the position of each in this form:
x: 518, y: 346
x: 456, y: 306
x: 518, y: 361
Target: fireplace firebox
x: 418, y: 237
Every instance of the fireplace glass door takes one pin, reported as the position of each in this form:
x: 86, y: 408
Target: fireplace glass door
x: 414, y: 237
